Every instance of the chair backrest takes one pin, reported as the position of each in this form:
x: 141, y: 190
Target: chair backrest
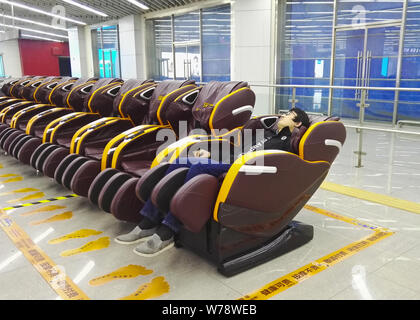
x: 216, y: 105
x: 80, y: 90
x: 132, y: 100
x: 101, y: 97
x: 42, y: 93
x: 57, y: 95
x: 25, y: 89
x: 160, y: 99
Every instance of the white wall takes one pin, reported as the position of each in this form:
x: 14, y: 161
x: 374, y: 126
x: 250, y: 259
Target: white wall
x: 251, y: 48
x: 131, y: 34
x: 78, y: 53
x: 11, y: 57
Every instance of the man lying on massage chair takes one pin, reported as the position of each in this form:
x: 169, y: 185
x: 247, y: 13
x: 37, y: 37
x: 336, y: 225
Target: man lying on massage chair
x: 159, y: 228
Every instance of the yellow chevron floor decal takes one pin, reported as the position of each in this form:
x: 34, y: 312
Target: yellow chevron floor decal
x: 23, y: 190
x: 37, y: 195
x: 127, y: 272
x: 82, y: 233
x: 157, y: 287
x: 42, y: 209
x: 90, y: 246
x: 58, y: 217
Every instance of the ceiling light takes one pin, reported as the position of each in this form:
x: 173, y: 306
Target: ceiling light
x: 42, y: 38
x: 139, y: 4
x: 32, y: 30
x: 23, y: 6
x: 86, y: 8
x: 31, y: 21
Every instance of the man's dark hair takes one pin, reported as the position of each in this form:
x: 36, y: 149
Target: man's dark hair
x: 301, y: 116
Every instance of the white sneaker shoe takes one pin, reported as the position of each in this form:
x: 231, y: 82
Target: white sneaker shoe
x: 154, y: 246
x: 135, y: 236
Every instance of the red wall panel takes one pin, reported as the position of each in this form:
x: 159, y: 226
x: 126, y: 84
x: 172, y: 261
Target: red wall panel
x: 39, y: 57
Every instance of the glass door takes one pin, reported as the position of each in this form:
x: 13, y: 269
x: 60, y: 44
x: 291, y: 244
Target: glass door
x: 188, y: 61
x: 365, y: 57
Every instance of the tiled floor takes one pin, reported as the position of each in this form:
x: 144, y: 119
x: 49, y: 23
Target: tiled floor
x: 387, y: 269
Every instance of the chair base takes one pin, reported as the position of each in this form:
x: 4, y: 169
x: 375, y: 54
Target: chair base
x: 234, y: 253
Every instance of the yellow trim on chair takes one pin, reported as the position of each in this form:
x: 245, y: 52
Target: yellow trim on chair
x: 165, y: 97
x: 305, y: 136
x: 108, y: 86
x: 98, y: 126
x: 122, y: 145
x: 59, y: 86
x: 34, y: 118
x: 76, y: 87
x: 219, y: 102
x: 119, y: 137
x: 231, y: 175
x: 147, y: 85
x: 63, y: 118
x: 6, y: 110
x: 23, y: 111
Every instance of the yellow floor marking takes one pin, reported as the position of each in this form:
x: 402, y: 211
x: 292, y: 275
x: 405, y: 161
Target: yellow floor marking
x: 18, y: 191
x: 1, y: 166
x: 283, y: 283
x: 65, y: 287
x: 90, y: 246
x: 150, y: 290
x: 12, y: 180
x: 9, y: 175
x: 82, y: 233
x: 58, y: 217
x: 42, y: 209
x: 127, y: 272
x: 373, y: 197
x: 33, y: 196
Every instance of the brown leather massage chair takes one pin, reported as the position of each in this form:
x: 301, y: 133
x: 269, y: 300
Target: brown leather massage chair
x: 66, y: 97
x: 39, y: 96
x: 16, y: 93
x: 57, y: 135
x: 141, y: 108
x: 214, y: 106
x: 245, y: 217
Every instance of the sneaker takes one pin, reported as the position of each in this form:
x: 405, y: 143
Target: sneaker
x: 154, y: 246
x: 135, y: 236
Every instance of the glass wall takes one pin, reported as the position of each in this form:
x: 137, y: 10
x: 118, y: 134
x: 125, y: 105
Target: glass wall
x: 195, y: 45
x: 366, y: 52
x: 108, y: 52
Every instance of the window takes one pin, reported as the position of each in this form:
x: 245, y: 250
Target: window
x: 195, y: 45
x: 108, y: 52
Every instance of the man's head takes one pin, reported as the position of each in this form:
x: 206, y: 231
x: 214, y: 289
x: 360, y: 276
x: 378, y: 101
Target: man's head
x: 293, y: 119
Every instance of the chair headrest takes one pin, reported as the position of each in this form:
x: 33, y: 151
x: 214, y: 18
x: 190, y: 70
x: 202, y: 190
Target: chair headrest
x: 129, y: 102
x: 101, y: 97
x: 212, y: 109
x: 163, y: 89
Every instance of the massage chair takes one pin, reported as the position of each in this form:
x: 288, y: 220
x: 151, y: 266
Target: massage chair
x: 57, y: 134
x: 214, y: 106
x: 38, y: 97
x: 65, y: 96
x: 245, y: 217
x: 16, y: 93
x: 141, y: 107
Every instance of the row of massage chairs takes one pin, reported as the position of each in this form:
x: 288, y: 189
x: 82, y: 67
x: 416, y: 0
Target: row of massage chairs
x: 111, y: 141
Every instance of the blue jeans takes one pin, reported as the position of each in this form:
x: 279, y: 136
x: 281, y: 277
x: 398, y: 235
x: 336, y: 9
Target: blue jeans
x: 197, y: 166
